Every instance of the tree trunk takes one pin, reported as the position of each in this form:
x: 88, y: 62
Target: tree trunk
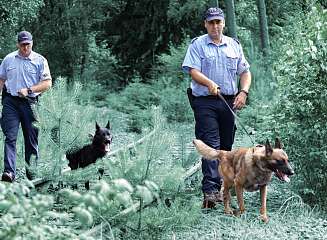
x: 264, y: 35
x: 213, y: 3
x: 230, y: 20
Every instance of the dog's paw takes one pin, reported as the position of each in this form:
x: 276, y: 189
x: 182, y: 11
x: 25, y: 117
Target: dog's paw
x: 238, y: 212
x: 229, y: 211
x: 264, y: 218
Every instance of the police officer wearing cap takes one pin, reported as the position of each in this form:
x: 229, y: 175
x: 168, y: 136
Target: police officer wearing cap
x: 24, y: 75
x: 214, y: 60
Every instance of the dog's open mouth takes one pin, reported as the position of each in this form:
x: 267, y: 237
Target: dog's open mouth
x: 106, y: 147
x: 282, y: 176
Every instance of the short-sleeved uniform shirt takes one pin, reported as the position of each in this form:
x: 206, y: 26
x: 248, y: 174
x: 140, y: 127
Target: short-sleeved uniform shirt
x: 219, y: 62
x: 23, y: 72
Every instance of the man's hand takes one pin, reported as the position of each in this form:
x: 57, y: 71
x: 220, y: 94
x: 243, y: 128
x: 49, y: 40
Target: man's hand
x: 240, y: 100
x: 213, y: 88
x: 23, y: 92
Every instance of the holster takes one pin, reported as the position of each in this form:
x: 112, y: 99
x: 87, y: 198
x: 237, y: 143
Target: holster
x: 190, y: 97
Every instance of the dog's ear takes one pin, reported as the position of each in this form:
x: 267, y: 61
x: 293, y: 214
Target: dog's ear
x: 108, y: 125
x: 97, y: 127
x: 268, y: 147
x: 278, y: 144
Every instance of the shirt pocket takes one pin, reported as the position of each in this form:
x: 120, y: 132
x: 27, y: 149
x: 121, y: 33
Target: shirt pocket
x: 231, y: 62
x: 11, y: 72
x: 208, y: 62
x: 30, y: 69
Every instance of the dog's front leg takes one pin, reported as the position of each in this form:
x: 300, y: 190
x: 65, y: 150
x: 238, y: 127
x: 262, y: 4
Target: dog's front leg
x: 239, y: 195
x: 227, y: 198
x: 263, y: 209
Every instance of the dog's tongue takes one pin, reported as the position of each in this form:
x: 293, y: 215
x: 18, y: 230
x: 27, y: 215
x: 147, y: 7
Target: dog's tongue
x: 107, y: 148
x: 282, y: 176
x: 286, y: 178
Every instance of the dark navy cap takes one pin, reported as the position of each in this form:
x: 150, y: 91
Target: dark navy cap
x: 214, y: 13
x: 25, y: 37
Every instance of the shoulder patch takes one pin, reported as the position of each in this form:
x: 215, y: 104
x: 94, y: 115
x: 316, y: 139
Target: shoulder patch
x: 236, y: 40
x: 193, y: 40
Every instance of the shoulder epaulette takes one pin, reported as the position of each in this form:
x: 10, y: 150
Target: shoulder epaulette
x: 236, y: 40
x: 194, y: 39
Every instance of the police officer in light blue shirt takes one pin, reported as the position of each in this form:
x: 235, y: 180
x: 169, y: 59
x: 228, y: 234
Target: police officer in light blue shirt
x: 214, y: 61
x: 24, y: 75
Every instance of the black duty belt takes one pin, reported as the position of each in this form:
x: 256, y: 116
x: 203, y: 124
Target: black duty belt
x: 34, y: 99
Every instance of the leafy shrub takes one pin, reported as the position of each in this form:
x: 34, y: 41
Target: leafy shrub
x: 14, y: 16
x: 299, y: 117
x: 100, y: 72
x: 23, y: 217
x: 136, y: 100
x: 62, y: 122
x: 166, y: 88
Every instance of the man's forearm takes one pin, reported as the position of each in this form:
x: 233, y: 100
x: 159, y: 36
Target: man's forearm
x: 200, y: 78
x: 2, y: 83
x: 245, y: 81
x: 42, y: 86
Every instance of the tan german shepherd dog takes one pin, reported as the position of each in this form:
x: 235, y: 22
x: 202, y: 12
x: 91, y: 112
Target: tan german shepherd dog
x: 248, y: 169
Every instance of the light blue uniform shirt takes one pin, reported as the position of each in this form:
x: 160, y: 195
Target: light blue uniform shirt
x: 219, y: 62
x: 23, y: 72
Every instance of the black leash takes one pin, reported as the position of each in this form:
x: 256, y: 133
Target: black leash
x: 236, y: 117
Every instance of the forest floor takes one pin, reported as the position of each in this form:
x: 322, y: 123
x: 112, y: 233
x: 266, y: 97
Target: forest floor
x: 179, y: 214
x: 290, y: 217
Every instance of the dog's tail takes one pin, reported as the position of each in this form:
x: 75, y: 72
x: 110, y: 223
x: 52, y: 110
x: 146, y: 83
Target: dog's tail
x: 206, y: 151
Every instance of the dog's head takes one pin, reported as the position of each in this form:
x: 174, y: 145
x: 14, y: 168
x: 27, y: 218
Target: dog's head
x: 102, y: 137
x: 277, y: 161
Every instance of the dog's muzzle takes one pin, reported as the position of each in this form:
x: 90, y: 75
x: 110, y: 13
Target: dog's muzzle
x: 106, y: 145
x: 283, y: 174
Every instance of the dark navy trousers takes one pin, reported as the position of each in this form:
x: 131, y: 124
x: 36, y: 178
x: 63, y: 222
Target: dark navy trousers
x: 215, y: 126
x: 18, y: 111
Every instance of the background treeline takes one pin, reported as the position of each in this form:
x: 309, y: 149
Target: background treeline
x: 110, y: 41
x: 127, y: 55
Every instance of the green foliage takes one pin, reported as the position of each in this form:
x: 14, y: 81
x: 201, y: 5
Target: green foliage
x: 63, y: 123
x: 101, y: 67
x: 14, y: 16
x: 153, y: 156
x: 137, y: 178
x: 299, y: 117
x: 107, y: 200
x: 154, y: 25
x: 24, y: 217
x: 72, y: 45
x: 136, y: 100
x: 99, y: 75
x: 169, y: 64
x: 166, y: 88
x: 162, y: 222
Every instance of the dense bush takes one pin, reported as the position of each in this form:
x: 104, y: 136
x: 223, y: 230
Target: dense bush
x: 166, y: 87
x: 14, y: 16
x: 300, y: 115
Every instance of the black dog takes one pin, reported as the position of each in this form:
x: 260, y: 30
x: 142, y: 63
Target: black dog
x: 80, y: 158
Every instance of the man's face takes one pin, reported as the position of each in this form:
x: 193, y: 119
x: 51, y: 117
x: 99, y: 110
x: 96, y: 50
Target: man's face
x: 25, y: 49
x: 215, y: 28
